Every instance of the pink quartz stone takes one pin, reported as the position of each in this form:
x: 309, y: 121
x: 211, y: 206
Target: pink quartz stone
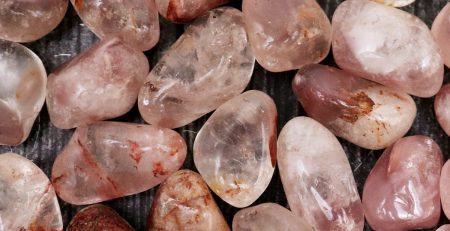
x: 101, y: 83
x: 287, y: 34
x: 365, y: 113
x: 441, y: 32
x: 402, y: 190
x: 442, y: 108
x: 98, y: 218
x: 27, y: 198
x: 183, y: 202
x: 268, y: 217
x: 317, y: 177
x: 134, y: 21
x: 401, y: 55
x: 208, y: 65
x: 181, y: 11
x: 395, y: 3
x: 445, y: 189
x: 29, y: 20
x: 444, y: 228
x: 108, y: 160
x: 22, y: 91
x: 235, y: 151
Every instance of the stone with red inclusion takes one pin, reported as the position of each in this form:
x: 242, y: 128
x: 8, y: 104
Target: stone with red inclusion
x: 445, y: 188
x: 402, y: 190
x: 441, y: 32
x: 363, y: 112
x: 442, y: 108
x: 99, y: 84
x: 108, y: 160
x: 184, y: 202
x: 182, y: 11
x: 235, y: 151
x: 98, y: 218
x: 402, y: 55
x: 444, y: 228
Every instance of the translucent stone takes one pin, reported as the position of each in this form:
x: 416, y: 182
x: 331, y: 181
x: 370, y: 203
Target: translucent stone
x: 445, y: 189
x: 401, y: 55
x: 22, y: 91
x: 134, y: 21
x: 442, y: 108
x: 441, y: 32
x: 395, y: 3
x: 99, y: 84
x: 29, y: 20
x: 182, y: 11
x: 109, y: 160
x: 365, y: 113
x: 27, y: 198
x: 268, y: 217
x: 444, y: 228
x: 208, y: 65
x: 402, y: 190
x: 317, y: 177
x: 98, y: 218
x: 184, y: 202
x: 287, y: 34
x: 235, y: 151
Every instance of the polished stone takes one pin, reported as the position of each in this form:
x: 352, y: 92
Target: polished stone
x: 441, y: 32
x: 98, y: 218
x: 445, y: 189
x: 183, y: 11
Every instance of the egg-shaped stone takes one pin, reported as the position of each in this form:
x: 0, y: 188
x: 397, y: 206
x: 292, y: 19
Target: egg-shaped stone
x: 441, y: 33
x: 444, y: 187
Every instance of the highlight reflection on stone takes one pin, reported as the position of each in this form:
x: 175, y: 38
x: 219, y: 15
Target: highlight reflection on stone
x: 235, y: 151
x: 22, y: 91
x: 445, y: 188
x: 98, y: 218
x: 395, y: 3
x: 317, y: 177
x: 441, y: 32
x: 109, y: 160
x: 182, y: 11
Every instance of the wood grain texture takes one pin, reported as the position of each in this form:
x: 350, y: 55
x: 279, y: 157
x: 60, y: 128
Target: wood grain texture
x: 71, y: 37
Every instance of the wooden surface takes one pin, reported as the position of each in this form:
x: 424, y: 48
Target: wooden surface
x: 71, y: 37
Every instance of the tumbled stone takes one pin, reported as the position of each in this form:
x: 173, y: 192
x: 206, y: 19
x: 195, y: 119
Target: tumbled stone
x: 235, y: 150
x: 401, y: 55
x: 402, y: 190
x: 395, y: 3
x: 27, y: 198
x: 22, y: 91
x: 442, y: 108
x: 183, y: 202
x: 133, y: 21
x: 99, y: 84
x: 365, y: 113
x: 317, y: 177
x: 287, y: 34
x: 29, y: 20
x: 268, y: 217
x: 182, y: 11
x: 441, y: 32
x: 444, y: 228
x: 445, y: 189
x: 98, y: 218
x: 208, y: 65
x: 108, y: 160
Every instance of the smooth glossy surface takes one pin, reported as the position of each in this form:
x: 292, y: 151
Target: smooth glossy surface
x: 98, y: 218
x: 445, y: 188
x: 182, y: 11
x: 441, y: 32
x: 444, y: 228
x: 442, y: 108
x: 395, y: 3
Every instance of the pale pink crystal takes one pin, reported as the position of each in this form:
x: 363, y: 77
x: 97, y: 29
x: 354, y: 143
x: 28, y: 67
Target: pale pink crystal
x: 441, y: 32
x: 208, y: 65
x: 268, y: 217
x: 402, y: 190
x: 101, y: 83
x: 365, y: 113
x: 98, y: 218
x: 22, y: 91
x: 184, y: 202
x: 388, y: 46
x: 134, y: 21
x: 442, y: 108
x: 395, y: 3
x: 108, y: 160
x: 181, y: 11
x: 29, y: 20
x: 317, y: 177
x: 445, y: 188
x: 235, y: 151
x: 287, y: 34
x: 27, y: 198
x: 444, y: 228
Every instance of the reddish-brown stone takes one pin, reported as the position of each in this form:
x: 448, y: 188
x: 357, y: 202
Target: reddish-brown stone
x: 98, y: 218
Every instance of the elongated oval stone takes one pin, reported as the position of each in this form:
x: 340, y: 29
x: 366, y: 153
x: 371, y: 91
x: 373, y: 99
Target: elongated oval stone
x: 133, y: 21
x: 444, y: 228
x: 401, y: 55
x: 98, y: 218
x: 287, y: 34
x: 317, y: 177
x: 27, y: 198
x: 208, y: 65
x: 268, y: 217
x: 182, y: 11
x: 402, y: 190
x: 442, y: 108
x: 22, y: 91
x: 395, y: 3
x: 445, y: 189
x: 109, y: 160
x: 184, y: 202
x: 99, y: 84
x: 441, y: 32
x: 29, y: 20
x: 235, y: 150
x: 365, y: 113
